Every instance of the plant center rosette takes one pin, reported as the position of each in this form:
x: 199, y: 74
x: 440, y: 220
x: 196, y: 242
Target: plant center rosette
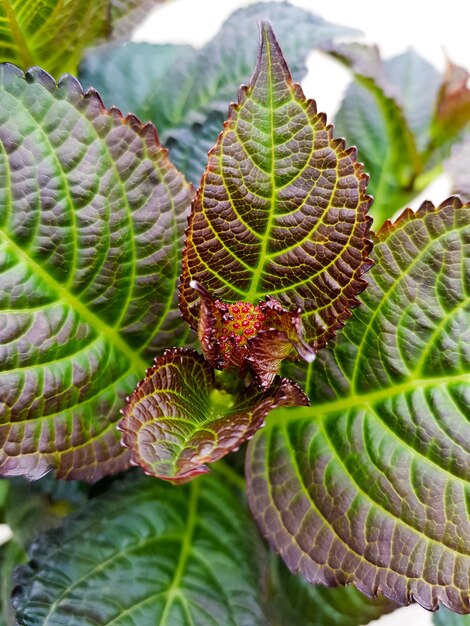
x: 248, y: 337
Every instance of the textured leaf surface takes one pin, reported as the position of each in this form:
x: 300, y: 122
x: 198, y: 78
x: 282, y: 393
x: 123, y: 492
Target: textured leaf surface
x: 281, y: 210
x: 293, y: 601
x: 147, y: 554
x: 91, y: 219
x: 189, y: 116
x: 177, y: 420
x: 370, y: 484
x: 54, y: 33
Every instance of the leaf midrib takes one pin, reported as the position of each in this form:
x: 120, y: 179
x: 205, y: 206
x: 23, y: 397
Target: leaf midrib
x: 279, y: 416
x: 77, y: 305
x: 24, y: 52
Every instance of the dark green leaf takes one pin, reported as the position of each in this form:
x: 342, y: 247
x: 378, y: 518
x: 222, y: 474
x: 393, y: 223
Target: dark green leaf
x: 147, y: 553
x: 370, y: 484
x: 281, y: 210
x: 203, y: 81
x: 294, y: 602
x: 53, y: 34
x: 92, y: 214
x: 178, y: 419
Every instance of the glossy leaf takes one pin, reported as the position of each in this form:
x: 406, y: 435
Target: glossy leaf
x: 91, y: 220
x: 147, y: 553
x: 293, y: 601
x: 178, y: 419
x: 53, y: 34
x: 281, y: 210
x: 369, y: 485
x: 189, y: 116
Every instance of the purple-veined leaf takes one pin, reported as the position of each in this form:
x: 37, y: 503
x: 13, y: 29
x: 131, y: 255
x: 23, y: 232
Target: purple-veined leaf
x: 92, y: 215
x: 54, y: 33
x: 370, y: 485
x: 281, y: 210
x: 178, y: 419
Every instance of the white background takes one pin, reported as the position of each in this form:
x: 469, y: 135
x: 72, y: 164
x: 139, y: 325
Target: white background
x: 432, y: 28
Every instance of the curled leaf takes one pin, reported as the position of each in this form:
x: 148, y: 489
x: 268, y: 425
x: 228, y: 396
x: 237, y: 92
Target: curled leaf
x: 281, y: 210
x: 177, y: 419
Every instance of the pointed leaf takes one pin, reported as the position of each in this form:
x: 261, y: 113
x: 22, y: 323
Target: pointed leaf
x: 189, y: 116
x: 91, y: 220
x: 370, y: 484
x: 282, y: 209
x: 292, y: 600
x: 177, y: 419
x: 53, y: 34
x: 147, y: 553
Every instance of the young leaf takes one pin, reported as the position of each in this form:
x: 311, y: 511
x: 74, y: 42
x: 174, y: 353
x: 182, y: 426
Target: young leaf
x: 146, y: 553
x: 453, y: 105
x: 369, y: 485
x: 53, y: 34
x: 92, y: 214
x: 189, y: 116
x: 281, y: 210
x: 177, y: 419
x: 293, y: 601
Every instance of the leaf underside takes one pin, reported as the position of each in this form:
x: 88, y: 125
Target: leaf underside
x: 177, y: 420
x: 54, y: 33
x: 146, y: 553
x: 370, y: 484
x: 92, y: 215
x: 281, y: 210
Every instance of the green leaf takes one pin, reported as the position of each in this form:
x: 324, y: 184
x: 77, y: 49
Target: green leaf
x: 203, y: 81
x: 178, y: 419
x: 281, y: 210
x: 147, y: 553
x: 443, y: 617
x: 53, y: 33
x: 292, y: 600
x: 92, y: 215
x: 379, y: 113
x: 370, y: 485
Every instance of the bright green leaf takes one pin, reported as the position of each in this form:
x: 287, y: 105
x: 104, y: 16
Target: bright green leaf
x: 371, y: 484
x: 178, y: 419
x: 147, y: 553
x: 54, y: 33
x: 92, y: 214
x: 203, y: 82
x: 281, y: 210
